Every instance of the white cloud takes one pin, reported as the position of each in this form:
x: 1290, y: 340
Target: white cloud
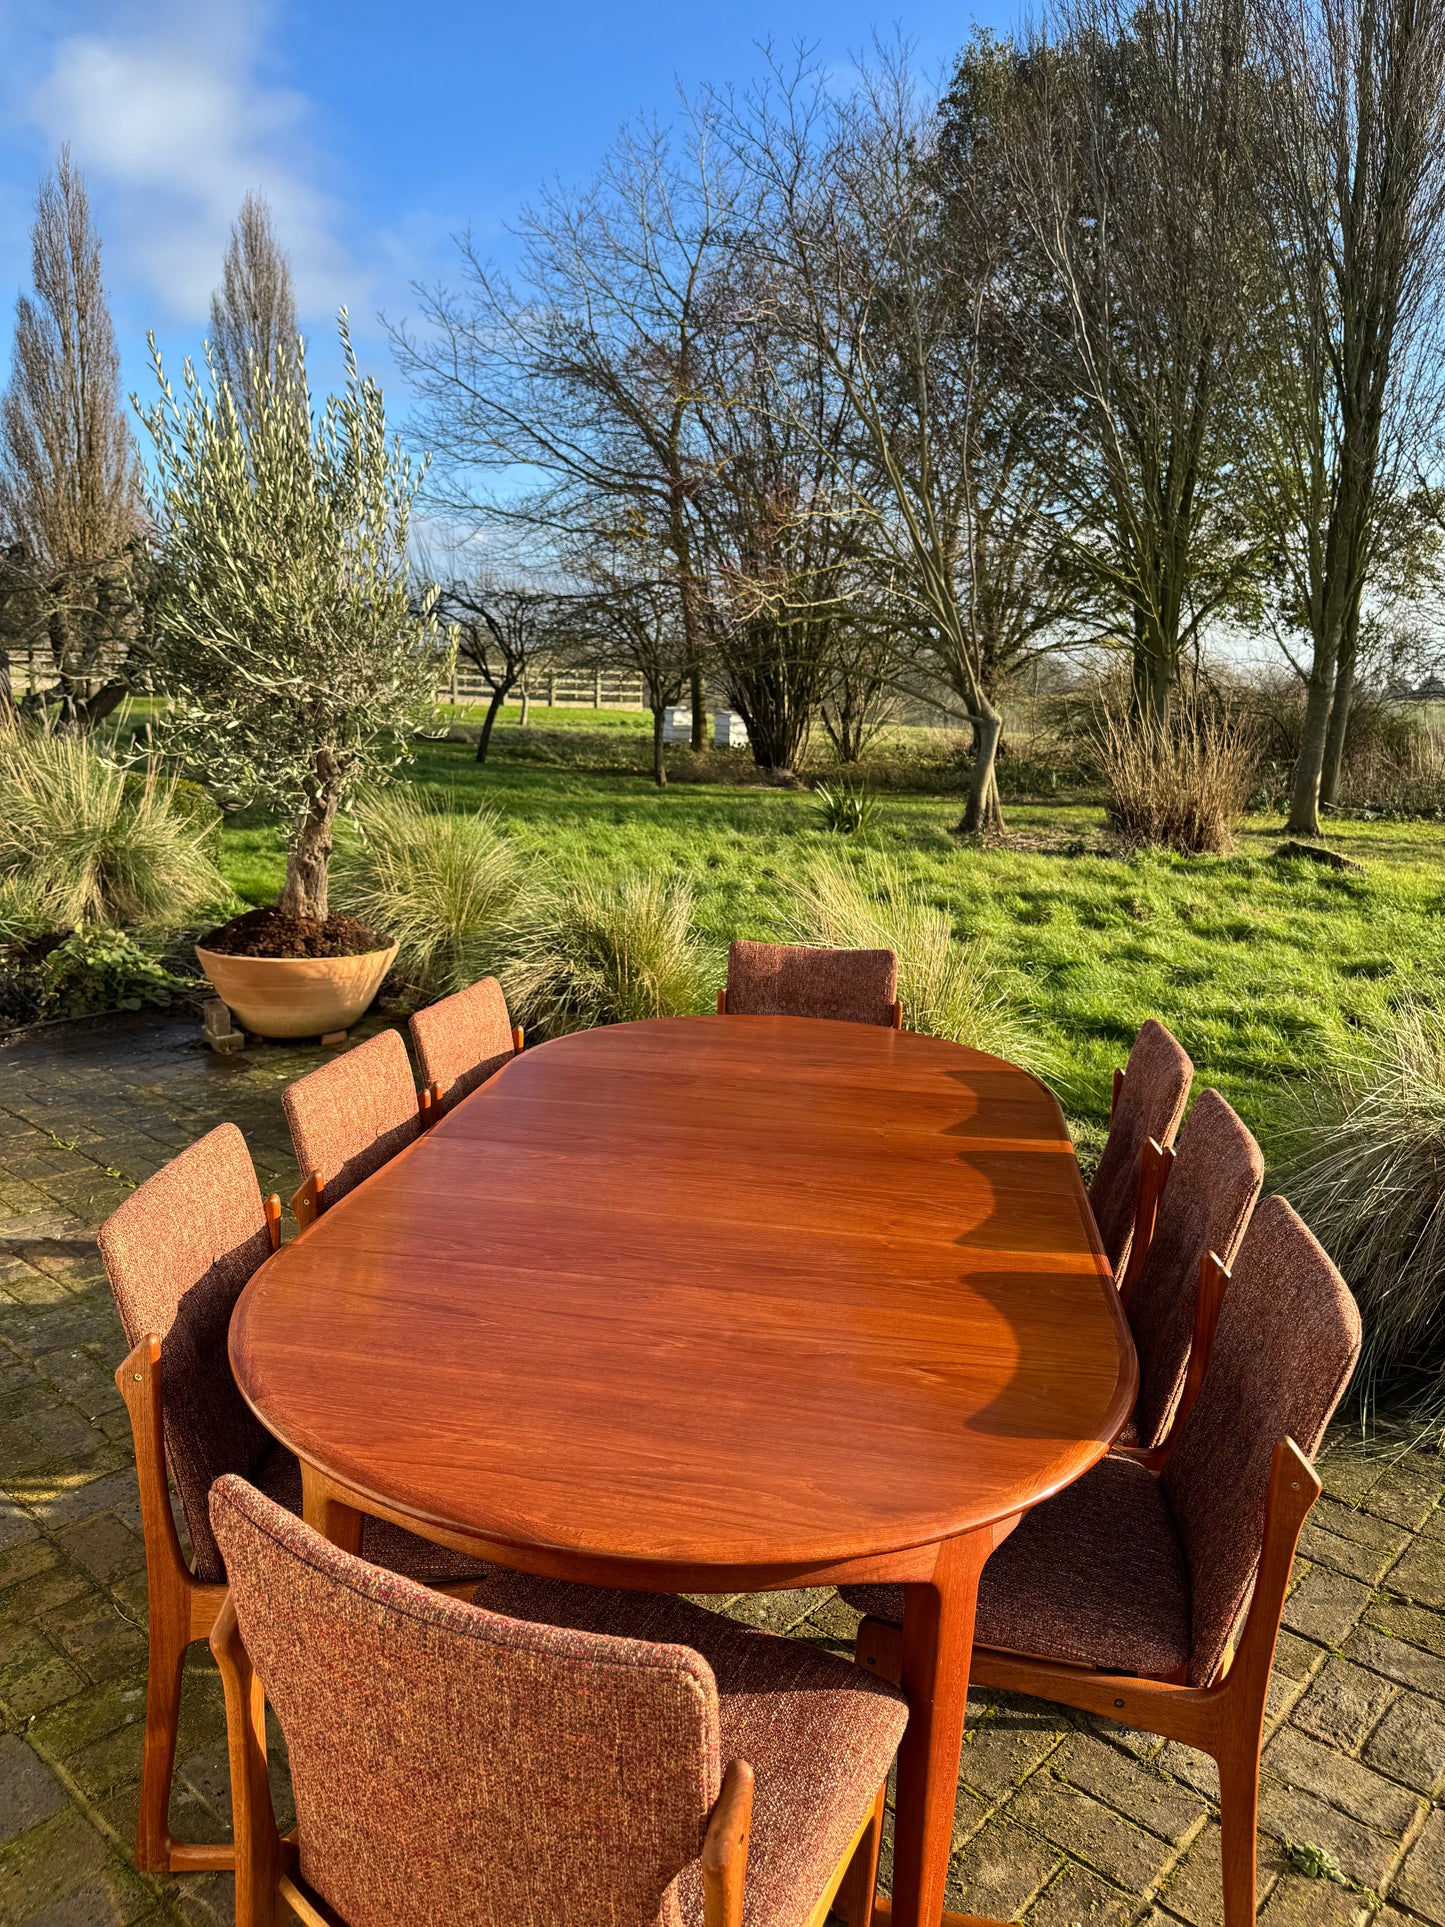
x: 172, y: 116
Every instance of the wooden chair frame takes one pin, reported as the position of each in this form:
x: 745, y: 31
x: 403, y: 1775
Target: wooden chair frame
x: 180, y: 1609
x: 1224, y: 1719
x: 896, y: 1009
x: 267, y: 1866
x: 1155, y: 1165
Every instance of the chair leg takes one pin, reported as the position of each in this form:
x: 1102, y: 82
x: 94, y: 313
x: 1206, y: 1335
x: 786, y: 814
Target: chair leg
x: 163, y: 1712
x: 854, y: 1901
x: 1239, y: 1824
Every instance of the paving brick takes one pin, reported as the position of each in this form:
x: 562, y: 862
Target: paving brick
x: 999, y: 1871
x: 1078, y: 1898
x: 1342, y: 1704
x: 55, y: 1859
x: 93, y: 1633
x: 1362, y: 1793
x: 1409, y: 1743
x: 1420, y: 1575
x: 1091, y: 1832
x: 1152, y: 1801
x: 1005, y: 1746
x: 1325, y: 1605
x: 1406, y: 1494
x: 29, y: 1791
x: 1298, y: 1902
x: 1397, y: 1659
x: 104, y: 1546
x: 1295, y: 1816
x: 1347, y: 1541
x: 1421, y: 1883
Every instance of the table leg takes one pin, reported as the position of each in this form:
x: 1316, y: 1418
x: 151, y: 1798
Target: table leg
x: 937, y: 1645
x: 326, y: 1514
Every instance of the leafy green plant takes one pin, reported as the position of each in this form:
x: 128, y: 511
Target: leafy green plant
x: 606, y: 953
x: 846, y: 809
x: 82, y: 841
x: 1367, y: 1172
x: 1315, y: 1863
x: 445, y: 883
x: 99, y: 969
x: 297, y: 653
x: 948, y: 986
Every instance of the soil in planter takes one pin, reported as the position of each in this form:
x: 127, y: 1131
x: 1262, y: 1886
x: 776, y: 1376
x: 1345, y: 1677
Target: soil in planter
x: 271, y: 933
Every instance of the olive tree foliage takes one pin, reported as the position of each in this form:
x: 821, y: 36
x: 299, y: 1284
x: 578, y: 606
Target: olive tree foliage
x: 1353, y: 189
x: 296, y: 653
x: 72, y: 558
x: 583, y: 367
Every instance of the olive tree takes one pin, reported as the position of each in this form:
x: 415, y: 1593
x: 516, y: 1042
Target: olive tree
x: 298, y: 657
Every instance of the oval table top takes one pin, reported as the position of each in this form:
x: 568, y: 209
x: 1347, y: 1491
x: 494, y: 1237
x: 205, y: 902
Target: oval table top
x: 744, y: 1292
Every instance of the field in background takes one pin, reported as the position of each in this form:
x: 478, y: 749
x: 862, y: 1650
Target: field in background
x: 1254, y: 962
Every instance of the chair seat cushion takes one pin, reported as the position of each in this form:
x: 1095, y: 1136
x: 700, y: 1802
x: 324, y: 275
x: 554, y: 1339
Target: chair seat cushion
x: 1095, y: 1576
x: 819, y: 1734
x: 279, y: 1476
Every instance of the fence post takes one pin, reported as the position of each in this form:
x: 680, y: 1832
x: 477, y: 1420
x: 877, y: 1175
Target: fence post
x: 551, y: 689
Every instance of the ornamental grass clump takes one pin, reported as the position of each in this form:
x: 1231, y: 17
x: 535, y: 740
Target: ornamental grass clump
x: 595, y: 952
x: 447, y: 884
x: 1367, y: 1173
x: 1179, y: 782
x: 86, y: 842
x: 948, y: 986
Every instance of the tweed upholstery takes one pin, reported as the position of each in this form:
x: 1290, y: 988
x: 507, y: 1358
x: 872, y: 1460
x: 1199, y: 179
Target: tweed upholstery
x: 1095, y: 1576
x: 1206, y: 1205
x: 353, y: 1114
x: 791, y: 980
x: 1284, y: 1350
x: 460, y: 1041
x: 450, y: 1763
x: 178, y: 1254
x: 1151, y: 1104
x: 819, y: 1745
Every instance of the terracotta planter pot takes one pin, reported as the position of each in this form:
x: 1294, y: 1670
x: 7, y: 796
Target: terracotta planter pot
x: 296, y: 996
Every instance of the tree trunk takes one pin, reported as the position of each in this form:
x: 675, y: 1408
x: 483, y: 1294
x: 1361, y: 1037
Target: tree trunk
x: 699, y: 708
x: 484, y: 741
x: 526, y: 714
x: 309, y: 859
x: 659, y: 752
x: 1153, y: 679
x: 983, y: 811
x: 1304, y: 808
x: 1340, y: 711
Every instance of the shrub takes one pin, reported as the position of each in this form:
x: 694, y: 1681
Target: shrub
x: 1182, y: 783
x: 606, y: 953
x: 97, y: 844
x: 844, y: 808
x: 99, y: 969
x: 444, y: 883
x: 949, y: 987
x: 1367, y: 1171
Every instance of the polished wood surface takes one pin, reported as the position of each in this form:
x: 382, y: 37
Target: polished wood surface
x: 755, y: 1294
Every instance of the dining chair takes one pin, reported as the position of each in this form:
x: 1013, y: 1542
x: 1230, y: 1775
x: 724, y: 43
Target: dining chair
x: 450, y: 1762
x: 795, y: 980
x: 1154, y: 1600
x: 1149, y: 1098
x: 178, y: 1253
x: 459, y: 1042
x: 1178, y: 1284
x: 348, y: 1118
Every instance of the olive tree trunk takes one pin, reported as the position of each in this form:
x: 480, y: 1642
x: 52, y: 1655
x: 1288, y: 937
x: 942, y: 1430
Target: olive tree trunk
x: 308, y: 861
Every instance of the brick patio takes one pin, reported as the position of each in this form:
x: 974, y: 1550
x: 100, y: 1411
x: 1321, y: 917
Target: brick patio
x: 1061, y: 1819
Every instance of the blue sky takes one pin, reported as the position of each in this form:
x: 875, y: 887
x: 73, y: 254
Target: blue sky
x: 377, y: 130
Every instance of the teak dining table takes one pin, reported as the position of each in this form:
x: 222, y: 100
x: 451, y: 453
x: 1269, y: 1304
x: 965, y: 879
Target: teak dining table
x: 715, y: 1304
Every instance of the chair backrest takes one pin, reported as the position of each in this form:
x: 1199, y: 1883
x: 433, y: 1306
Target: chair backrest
x: 449, y: 1764
x: 1206, y: 1205
x: 1152, y: 1097
x: 353, y: 1114
x: 178, y: 1254
x: 794, y: 980
x: 1284, y: 1349
x: 463, y: 1039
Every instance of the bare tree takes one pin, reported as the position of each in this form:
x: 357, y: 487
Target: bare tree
x: 1355, y: 199
x: 585, y: 369
x: 863, y: 667
x: 1128, y: 149
x: 69, y: 498
x: 253, y: 312
x: 501, y: 630
x: 631, y: 619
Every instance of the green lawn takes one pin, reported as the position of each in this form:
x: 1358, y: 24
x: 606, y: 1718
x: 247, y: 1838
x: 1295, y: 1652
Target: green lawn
x: 1254, y: 963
